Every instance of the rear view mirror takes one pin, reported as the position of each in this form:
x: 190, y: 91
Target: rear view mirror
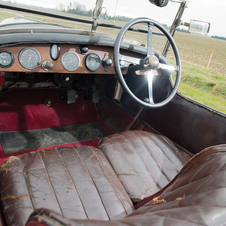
x: 160, y: 3
x: 199, y: 27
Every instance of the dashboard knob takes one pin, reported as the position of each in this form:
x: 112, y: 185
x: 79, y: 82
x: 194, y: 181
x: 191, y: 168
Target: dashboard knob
x: 47, y: 65
x: 108, y: 62
x: 83, y: 49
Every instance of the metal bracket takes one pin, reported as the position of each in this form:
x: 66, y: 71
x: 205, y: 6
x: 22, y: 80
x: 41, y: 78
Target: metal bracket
x: 176, y: 24
x: 107, y: 62
x: 96, y: 13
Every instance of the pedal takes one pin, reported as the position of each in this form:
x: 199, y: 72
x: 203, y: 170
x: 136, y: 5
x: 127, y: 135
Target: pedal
x: 71, y: 96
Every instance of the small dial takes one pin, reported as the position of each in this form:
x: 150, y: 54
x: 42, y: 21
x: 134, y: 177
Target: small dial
x: 54, y: 51
x: 93, y: 62
x: 6, y: 59
x: 70, y: 61
x: 30, y: 58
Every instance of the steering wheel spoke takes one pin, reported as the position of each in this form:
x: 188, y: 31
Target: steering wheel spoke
x: 149, y: 42
x: 168, y: 67
x: 129, y: 59
x: 150, y: 76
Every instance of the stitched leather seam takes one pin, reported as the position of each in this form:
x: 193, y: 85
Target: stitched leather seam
x: 153, y: 139
x: 73, y: 182
x: 50, y: 182
x: 90, y: 178
x: 151, y: 154
x: 110, y: 181
x: 26, y: 184
x: 128, y: 163
x: 141, y: 160
x: 175, y: 149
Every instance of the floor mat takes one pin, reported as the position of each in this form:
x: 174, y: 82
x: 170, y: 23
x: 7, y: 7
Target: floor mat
x: 17, y: 141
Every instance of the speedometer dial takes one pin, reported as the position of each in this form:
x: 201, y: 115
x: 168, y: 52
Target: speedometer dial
x: 30, y: 58
x: 70, y: 61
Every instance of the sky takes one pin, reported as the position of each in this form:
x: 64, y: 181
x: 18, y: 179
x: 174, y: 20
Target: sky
x: 212, y: 11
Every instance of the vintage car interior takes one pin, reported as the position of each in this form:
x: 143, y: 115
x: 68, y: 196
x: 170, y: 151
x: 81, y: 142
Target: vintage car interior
x: 94, y: 132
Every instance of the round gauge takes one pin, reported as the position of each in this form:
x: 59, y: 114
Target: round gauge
x: 93, y: 62
x: 6, y: 59
x: 30, y: 58
x: 54, y: 51
x: 70, y: 61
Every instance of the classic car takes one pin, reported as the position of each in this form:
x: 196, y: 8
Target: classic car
x: 93, y: 130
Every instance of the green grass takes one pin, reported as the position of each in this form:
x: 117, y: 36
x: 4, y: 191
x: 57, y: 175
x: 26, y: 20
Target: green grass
x: 197, y: 50
x: 204, y: 79
x: 204, y: 97
x: 207, y: 86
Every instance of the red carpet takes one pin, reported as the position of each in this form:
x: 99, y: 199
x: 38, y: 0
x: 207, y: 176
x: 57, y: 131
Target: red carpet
x: 25, y: 109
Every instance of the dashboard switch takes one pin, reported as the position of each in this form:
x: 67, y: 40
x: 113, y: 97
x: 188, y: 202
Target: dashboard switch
x: 47, y: 65
x: 107, y: 62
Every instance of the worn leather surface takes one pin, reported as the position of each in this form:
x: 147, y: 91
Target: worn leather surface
x: 77, y: 182
x: 196, y: 196
x: 144, y: 162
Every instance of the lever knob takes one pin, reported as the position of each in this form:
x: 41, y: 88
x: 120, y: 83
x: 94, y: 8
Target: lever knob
x: 47, y: 65
x: 108, y: 62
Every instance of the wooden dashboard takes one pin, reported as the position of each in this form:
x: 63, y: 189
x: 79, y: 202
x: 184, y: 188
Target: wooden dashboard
x: 44, y: 50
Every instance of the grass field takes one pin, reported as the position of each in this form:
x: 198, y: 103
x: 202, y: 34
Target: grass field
x: 207, y: 86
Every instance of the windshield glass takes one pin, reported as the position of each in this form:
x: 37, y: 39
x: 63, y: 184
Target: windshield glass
x: 116, y: 8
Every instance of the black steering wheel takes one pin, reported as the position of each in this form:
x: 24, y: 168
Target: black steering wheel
x: 150, y: 63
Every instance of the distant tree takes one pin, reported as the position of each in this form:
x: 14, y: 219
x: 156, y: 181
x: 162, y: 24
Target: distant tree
x: 165, y: 26
x: 61, y: 7
x: 219, y: 37
x: 119, y: 18
x: 69, y: 6
x: 183, y: 30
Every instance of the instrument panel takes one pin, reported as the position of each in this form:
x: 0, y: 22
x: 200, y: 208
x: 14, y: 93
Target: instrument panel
x: 56, y: 58
x: 30, y: 58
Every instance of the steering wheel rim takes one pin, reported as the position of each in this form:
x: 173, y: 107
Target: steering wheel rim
x: 118, y: 41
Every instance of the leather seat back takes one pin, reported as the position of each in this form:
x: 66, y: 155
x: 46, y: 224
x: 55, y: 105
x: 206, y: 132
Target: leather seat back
x: 196, y: 196
x: 144, y: 162
x: 77, y: 182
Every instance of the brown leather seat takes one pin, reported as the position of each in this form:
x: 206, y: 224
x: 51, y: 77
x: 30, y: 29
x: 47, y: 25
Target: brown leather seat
x: 77, y: 182
x: 144, y: 162
x: 196, y: 196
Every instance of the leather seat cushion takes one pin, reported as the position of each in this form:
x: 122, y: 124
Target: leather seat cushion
x: 144, y: 162
x: 77, y: 182
x: 196, y: 196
